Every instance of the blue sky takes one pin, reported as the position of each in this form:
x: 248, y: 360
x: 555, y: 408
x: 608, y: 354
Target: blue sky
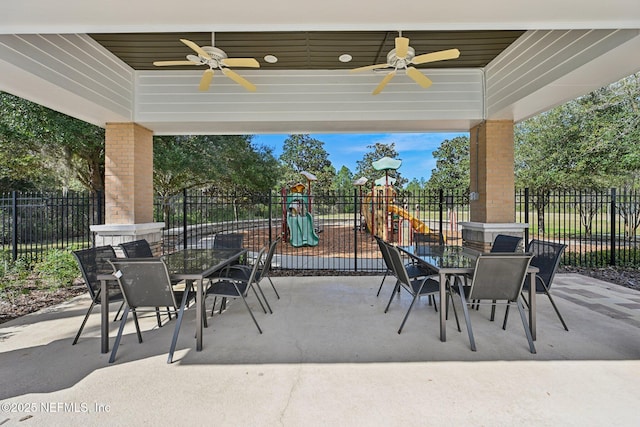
x: 415, y: 149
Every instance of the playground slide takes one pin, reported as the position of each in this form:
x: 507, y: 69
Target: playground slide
x: 417, y: 225
x: 301, y: 231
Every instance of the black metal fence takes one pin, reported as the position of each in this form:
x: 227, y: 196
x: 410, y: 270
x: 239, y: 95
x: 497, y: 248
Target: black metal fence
x: 600, y: 228
x: 33, y: 223
x: 338, y: 226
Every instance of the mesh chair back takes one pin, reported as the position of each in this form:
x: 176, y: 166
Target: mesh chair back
x: 398, y: 265
x: 267, y: 261
x: 136, y: 249
x: 228, y: 241
x: 546, y: 256
x: 424, y: 242
x: 144, y: 282
x: 504, y: 243
x: 385, y: 253
x: 499, y: 276
x: 94, y: 261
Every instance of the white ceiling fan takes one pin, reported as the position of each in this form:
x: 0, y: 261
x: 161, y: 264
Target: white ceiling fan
x: 402, y: 57
x: 215, y: 59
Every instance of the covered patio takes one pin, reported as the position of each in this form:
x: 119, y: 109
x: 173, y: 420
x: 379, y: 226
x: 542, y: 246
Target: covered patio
x: 330, y: 356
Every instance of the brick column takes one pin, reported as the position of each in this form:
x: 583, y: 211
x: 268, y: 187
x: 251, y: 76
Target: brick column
x: 128, y: 187
x: 128, y: 174
x: 492, y: 176
x: 492, y: 185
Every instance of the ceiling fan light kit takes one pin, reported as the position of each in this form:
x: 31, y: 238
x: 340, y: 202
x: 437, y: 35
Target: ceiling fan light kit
x: 401, y: 58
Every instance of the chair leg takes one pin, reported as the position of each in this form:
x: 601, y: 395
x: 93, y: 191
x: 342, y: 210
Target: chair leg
x: 392, y: 295
x: 118, y: 312
x: 86, y: 317
x: 546, y: 291
x: 527, y: 331
x: 408, y: 311
x: 158, y: 317
x: 381, y: 283
x: 465, y: 310
x: 135, y: 321
x: 274, y: 287
x: 493, y: 311
x: 176, y: 331
x: 116, y: 344
x: 250, y: 312
x: 264, y: 297
x: 258, y: 298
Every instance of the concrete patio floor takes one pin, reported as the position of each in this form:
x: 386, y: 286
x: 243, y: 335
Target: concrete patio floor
x: 330, y: 356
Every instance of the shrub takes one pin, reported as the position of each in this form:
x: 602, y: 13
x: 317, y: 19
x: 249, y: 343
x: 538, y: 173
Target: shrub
x: 58, y: 268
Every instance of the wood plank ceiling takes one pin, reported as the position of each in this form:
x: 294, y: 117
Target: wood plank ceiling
x: 311, y: 50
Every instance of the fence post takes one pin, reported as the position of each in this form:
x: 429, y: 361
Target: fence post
x: 184, y: 218
x: 526, y: 216
x: 612, y: 242
x: 441, y: 213
x: 355, y: 229
x: 14, y: 225
x: 270, y: 216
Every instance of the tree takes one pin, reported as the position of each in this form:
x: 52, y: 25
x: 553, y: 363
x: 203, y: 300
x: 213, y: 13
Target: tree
x: 214, y: 163
x: 69, y: 151
x: 343, y: 181
x: 364, y: 167
x: 452, y: 165
x: 301, y: 153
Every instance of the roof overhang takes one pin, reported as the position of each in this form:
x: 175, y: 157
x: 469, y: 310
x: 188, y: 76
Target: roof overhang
x: 568, y: 49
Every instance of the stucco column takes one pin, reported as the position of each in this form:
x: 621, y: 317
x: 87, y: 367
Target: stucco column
x: 492, y: 206
x: 128, y: 186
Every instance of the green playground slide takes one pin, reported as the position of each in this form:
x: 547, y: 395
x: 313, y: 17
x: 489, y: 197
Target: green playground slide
x: 301, y: 231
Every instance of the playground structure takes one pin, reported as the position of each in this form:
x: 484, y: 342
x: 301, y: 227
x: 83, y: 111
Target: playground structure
x: 383, y: 216
x: 298, y: 226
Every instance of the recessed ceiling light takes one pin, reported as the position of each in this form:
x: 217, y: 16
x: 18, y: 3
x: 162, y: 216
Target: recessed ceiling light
x: 345, y: 57
x: 271, y: 59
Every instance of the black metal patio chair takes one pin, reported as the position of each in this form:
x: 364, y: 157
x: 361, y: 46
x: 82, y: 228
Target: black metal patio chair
x: 235, y: 288
x: 504, y: 243
x: 414, y: 270
x: 417, y: 287
x: 92, y: 262
x: 145, y: 285
x: 243, y: 272
x: 498, y: 278
x: 546, y: 256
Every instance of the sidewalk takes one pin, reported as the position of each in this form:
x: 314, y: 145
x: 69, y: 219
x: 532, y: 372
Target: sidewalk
x: 330, y: 356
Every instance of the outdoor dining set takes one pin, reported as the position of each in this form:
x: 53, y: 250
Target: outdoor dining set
x: 168, y: 284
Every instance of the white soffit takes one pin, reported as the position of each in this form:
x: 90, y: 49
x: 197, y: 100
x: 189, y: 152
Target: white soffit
x: 82, y: 16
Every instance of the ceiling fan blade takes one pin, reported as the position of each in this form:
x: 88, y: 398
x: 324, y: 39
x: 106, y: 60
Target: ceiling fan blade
x: 369, y: 67
x: 241, y: 62
x: 418, y: 77
x: 170, y: 63
x: 239, y: 79
x: 402, y: 47
x: 384, y: 82
x: 436, y: 56
x: 196, y: 48
x: 205, y: 81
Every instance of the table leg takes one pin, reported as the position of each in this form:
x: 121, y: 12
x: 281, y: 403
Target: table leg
x: 199, y: 313
x: 104, y: 316
x: 532, y: 306
x: 443, y: 309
